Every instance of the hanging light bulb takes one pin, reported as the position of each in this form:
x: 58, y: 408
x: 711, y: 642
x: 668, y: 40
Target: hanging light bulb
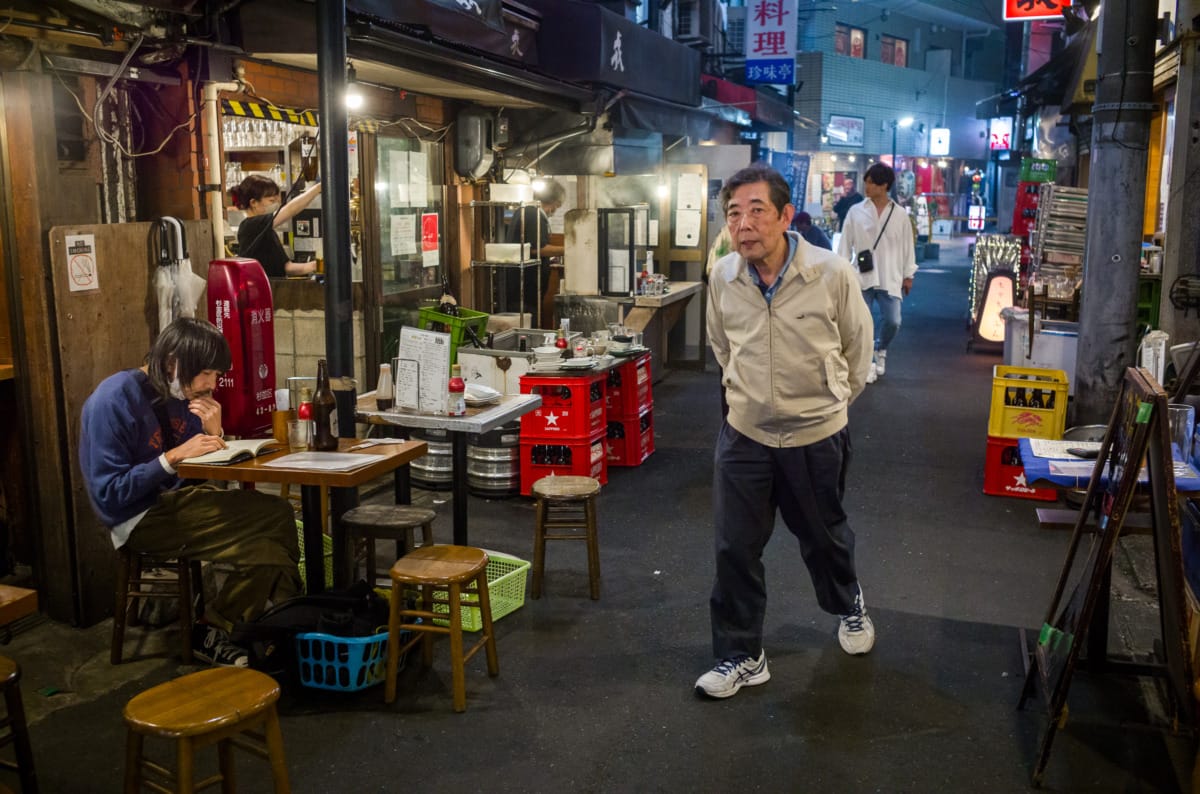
x: 536, y: 182
x: 663, y: 190
x: 354, y: 97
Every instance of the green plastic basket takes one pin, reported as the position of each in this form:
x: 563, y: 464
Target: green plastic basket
x: 430, y: 319
x: 327, y: 542
x: 506, y: 590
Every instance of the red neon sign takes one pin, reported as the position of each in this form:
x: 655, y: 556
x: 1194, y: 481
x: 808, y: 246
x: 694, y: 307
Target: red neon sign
x: 1025, y: 10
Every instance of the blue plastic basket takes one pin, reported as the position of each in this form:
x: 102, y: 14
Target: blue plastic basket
x: 343, y: 664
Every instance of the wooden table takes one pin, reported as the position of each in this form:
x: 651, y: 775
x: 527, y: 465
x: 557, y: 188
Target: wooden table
x: 477, y: 420
x: 396, y: 458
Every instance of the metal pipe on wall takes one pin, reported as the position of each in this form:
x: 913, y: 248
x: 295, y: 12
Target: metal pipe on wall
x: 212, y: 154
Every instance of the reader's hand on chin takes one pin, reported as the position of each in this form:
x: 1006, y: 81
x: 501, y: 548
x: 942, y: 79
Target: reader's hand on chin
x: 195, y: 446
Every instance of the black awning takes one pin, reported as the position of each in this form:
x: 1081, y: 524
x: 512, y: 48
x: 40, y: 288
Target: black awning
x: 582, y: 41
x: 1054, y: 82
x: 477, y: 24
x: 638, y: 112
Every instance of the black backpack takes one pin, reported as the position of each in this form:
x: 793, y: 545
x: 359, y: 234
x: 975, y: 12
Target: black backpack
x: 270, y: 639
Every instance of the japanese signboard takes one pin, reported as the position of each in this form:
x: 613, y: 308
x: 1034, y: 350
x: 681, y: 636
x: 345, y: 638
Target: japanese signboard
x: 771, y: 41
x: 845, y: 130
x: 1025, y: 10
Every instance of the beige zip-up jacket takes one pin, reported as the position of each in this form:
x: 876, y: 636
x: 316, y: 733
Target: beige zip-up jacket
x: 790, y: 368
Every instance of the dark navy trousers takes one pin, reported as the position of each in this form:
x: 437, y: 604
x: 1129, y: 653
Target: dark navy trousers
x: 750, y: 482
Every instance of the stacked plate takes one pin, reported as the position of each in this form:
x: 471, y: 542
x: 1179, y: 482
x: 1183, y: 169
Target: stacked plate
x: 478, y: 394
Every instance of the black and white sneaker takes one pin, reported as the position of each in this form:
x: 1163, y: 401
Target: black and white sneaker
x: 730, y: 675
x: 212, y: 645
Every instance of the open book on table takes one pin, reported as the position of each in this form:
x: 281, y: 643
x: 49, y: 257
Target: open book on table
x: 236, y: 451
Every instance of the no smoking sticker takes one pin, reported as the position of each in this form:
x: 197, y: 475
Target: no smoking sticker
x: 81, y: 262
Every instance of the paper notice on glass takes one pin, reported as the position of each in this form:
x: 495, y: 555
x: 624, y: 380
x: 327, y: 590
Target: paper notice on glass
x: 618, y: 271
x: 687, y: 228
x: 654, y: 231
x: 689, y: 192
x: 431, y: 351
x: 398, y: 193
x: 406, y: 372
x: 404, y: 235
x: 641, y: 217
x: 418, y: 179
x: 325, y: 461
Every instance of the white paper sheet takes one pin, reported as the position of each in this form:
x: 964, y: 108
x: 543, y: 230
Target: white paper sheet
x: 1051, y: 448
x: 398, y: 193
x: 418, y: 176
x: 689, y: 192
x: 324, y: 461
x: 407, y: 383
x: 687, y: 228
x: 618, y: 270
x: 404, y: 235
x: 431, y: 351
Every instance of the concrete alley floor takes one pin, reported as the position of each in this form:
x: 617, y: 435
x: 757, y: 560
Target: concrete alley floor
x: 597, y: 696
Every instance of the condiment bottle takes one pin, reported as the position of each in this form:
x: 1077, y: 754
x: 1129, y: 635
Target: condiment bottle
x: 324, y: 411
x: 304, y: 409
x: 456, y: 393
x: 385, y: 395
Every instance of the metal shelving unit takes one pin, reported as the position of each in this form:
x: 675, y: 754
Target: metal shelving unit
x: 1060, y: 234
x: 488, y: 218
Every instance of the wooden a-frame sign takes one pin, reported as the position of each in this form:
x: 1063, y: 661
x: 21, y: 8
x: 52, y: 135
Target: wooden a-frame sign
x: 1138, y: 431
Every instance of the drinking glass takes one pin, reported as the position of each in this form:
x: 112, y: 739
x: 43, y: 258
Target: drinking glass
x: 1182, y: 420
x: 299, y: 431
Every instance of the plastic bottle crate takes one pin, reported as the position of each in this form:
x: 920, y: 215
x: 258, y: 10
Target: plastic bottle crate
x: 1028, y: 402
x: 1003, y: 474
x: 631, y: 441
x: 572, y: 406
x: 541, y: 457
x: 628, y: 389
x: 430, y: 319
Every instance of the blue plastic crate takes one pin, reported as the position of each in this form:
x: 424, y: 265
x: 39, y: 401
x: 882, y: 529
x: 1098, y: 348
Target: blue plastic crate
x: 343, y: 664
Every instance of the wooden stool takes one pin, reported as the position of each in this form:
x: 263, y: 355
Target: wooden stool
x: 565, y: 503
x: 15, y: 731
x: 129, y: 592
x: 437, y: 569
x: 226, y: 706
x: 388, y: 522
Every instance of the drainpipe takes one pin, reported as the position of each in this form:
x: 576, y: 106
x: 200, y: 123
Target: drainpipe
x: 212, y: 154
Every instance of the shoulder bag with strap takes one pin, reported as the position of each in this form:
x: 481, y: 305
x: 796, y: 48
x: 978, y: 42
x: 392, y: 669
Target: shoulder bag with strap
x: 866, y: 259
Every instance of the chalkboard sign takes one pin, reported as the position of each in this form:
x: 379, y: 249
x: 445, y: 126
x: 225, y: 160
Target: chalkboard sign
x: 1137, y: 433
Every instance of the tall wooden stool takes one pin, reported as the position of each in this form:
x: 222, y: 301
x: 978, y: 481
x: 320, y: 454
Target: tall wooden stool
x: 13, y: 729
x: 226, y: 706
x: 565, y: 503
x: 370, y: 523
x: 436, y: 570
x: 129, y: 593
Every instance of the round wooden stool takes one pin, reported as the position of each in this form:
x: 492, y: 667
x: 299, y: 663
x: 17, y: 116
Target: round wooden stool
x: 226, y: 706
x: 565, y: 503
x: 15, y: 730
x: 388, y: 522
x: 132, y: 587
x: 441, y: 571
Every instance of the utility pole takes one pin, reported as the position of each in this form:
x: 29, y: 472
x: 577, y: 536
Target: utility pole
x: 1181, y: 248
x: 1116, y: 189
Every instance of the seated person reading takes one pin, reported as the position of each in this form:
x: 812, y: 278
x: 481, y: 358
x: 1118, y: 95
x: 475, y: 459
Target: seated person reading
x: 136, y: 427
x: 260, y: 198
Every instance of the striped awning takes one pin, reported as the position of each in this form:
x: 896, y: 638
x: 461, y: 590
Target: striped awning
x: 259, y: 110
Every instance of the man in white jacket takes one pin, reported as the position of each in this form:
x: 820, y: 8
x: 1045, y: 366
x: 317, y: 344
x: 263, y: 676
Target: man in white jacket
x: 881, y: 226
x: 790, y: 330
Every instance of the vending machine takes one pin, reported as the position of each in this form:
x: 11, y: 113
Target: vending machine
x: 240, y: 305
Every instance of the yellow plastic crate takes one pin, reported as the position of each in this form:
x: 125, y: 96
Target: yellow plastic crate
x: 1028, y: 402
x: 327, y: 552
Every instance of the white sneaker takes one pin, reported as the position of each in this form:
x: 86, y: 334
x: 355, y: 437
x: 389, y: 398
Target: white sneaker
x: 856, y: 633
x: 880, y: 362
x: 730, y: 675
x: 872, y: 376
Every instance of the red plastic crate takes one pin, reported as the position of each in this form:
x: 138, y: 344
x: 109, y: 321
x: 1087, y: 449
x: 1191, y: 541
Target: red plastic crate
x: 1003, y: 474
x: 630, y: 441
x: 572, y: 406
x: 628, y: 390
x: 541, y: 457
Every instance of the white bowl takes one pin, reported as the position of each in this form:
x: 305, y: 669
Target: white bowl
x: 547, y: 352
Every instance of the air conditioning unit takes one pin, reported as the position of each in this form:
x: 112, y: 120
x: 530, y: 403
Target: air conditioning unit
x: 696, y: 23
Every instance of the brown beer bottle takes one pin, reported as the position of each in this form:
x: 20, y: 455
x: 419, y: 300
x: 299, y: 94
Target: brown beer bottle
x: 324, y: 412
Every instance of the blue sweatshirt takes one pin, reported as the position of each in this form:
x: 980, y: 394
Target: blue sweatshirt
x: 119, y: 445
